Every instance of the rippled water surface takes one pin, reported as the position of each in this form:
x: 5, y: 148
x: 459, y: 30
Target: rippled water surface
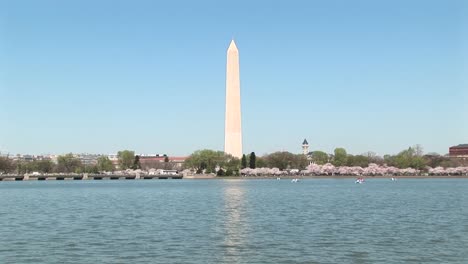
x: 235, y: 221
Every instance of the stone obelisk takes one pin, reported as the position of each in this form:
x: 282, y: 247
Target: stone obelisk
x: 233, y: 128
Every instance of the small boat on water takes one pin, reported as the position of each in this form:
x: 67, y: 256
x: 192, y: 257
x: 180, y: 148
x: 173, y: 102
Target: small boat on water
x: 295, y: 180
x: 359, y: 180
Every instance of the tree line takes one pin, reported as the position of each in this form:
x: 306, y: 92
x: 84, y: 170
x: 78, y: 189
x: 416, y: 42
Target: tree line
x: 413, y: 157
x: 70, y: 163
x: 210, y: 161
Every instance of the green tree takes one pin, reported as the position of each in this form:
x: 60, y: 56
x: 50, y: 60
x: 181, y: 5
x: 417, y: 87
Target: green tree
x: 243, y: 162
x: 358, y: 160
x: 319, y: 157
x: 229, y: 172
x: 205, y: 160
x: 435, y: 160
x: 201, y: 167
x: 68, y: 163
x: 91, y: 169
x: 126, y: 159
x: 404, y: 158
x: 286, y: 160
x: 418, y: 163
x: 278, y: 159
x: 260, y: 162
x: 166, y: 163
x: 389, y: 160
x: 208, y: 160
x: 373, y: 158
x: 299, y: 162
x: 340, y: 157
x: 20, y: 167
x: 104, y: 164
x: 231, y: 165
x: 252, y: 160
x: 44, y: 166
x: 6, y: 165
x: 411, y: 157
x: 220, y: 172
x: 418, y: 150
x: 136, y: 163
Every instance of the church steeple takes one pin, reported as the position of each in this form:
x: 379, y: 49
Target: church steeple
x: 305, y: 147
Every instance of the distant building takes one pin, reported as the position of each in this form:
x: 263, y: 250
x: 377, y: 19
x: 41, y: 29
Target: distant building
x: 27, y: 158
x: 155, y: 161
x: 42, y: 157
x: 306, y: 152
x: 88, y: 159
x: 54, y: 158
x: 22, y: 158
x: 159, y: 161
x: 151, y: 155
x: 114, y: 158
x: 460, y: 151
x: 305, y: 147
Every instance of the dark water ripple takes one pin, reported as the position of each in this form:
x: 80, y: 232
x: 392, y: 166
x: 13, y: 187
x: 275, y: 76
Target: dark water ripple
x: 235, y: 221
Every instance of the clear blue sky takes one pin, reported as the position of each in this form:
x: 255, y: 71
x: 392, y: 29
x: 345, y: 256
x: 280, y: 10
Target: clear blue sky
x: 101, y: 76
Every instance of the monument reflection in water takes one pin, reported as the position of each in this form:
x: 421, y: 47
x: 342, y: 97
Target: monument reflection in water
x: 235, y: 225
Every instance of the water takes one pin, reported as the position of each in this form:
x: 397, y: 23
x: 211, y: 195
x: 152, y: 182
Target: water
x: 235, y: 221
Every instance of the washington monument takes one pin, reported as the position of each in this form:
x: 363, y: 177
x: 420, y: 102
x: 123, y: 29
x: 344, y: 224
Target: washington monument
x: 233, y: 128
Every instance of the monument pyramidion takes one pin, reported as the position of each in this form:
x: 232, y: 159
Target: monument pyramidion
x: 233, y: 127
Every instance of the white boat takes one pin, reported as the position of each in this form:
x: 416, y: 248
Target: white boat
x: 359, y: 180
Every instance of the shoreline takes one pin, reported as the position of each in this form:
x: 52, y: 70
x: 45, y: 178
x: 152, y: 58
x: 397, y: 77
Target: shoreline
x: 205, y: 177
x: 210, y: 177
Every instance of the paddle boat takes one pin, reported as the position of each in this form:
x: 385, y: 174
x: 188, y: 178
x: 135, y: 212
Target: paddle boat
x: 359, y: 180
